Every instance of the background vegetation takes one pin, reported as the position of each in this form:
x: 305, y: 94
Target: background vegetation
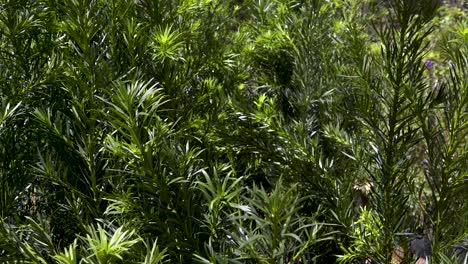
x: 244, y: 131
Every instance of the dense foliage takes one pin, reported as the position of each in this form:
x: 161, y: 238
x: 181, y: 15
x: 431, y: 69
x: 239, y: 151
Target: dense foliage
x: 243, y: 131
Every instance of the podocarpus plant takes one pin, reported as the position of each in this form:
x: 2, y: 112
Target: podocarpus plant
x: 126, y: 122
x: 392, y: 99
x: 444, y: 127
